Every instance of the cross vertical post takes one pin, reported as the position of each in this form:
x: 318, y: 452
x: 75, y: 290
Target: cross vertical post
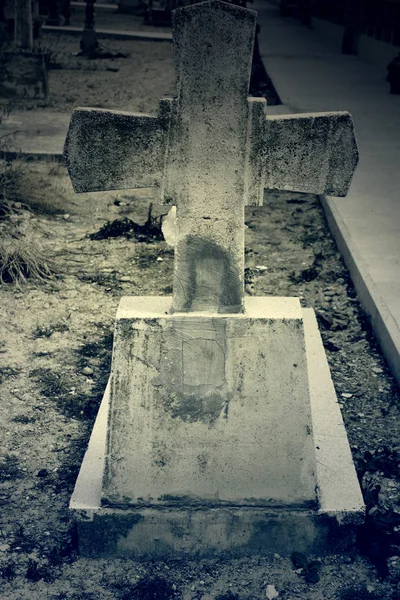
x: 206, y: 158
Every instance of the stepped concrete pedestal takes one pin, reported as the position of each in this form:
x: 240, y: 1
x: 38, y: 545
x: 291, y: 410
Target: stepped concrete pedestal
x: 217, y: 434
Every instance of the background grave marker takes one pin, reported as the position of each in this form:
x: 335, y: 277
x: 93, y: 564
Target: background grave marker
x: 22, y: 71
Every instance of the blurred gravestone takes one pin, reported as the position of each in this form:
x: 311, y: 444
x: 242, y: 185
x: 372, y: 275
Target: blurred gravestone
x: 89, y: 44
x: 22, y: 71
x: 219, y: 430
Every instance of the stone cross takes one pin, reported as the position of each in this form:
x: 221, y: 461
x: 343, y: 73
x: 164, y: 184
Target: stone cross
x: 210, y: 151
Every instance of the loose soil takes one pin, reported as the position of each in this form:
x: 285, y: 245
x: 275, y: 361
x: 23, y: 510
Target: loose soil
x: 55, y: 352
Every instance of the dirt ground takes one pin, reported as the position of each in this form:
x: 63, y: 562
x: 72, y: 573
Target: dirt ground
x: 55, y: 349
x: 107, y: 83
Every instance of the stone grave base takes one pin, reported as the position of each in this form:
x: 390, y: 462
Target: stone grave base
x: 236, y: 523
x: 23, y: 74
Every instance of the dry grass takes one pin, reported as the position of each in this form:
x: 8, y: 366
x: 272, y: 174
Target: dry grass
x: 24, y: 258
x: 22, y: 255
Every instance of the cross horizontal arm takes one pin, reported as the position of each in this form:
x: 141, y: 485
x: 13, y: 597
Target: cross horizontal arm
x: 108, y: 150
x: 314, y: 153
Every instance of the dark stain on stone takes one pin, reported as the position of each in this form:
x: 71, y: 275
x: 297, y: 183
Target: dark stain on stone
x: 183, y: 499
x: 179, y: 531
x: 191, y: 408
x: 161, y: 462
x: 226, y: 409
x: 272, y: 532
x: 240, y: 377
x: 161, y: 455
x: 125, y: 329
x: 100, y: 537
x: 211, y: 278
x: 203, y: 462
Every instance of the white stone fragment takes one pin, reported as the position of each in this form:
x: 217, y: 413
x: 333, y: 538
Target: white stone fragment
x: 271, y: 592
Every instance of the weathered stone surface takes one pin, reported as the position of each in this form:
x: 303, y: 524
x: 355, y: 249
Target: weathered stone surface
x: 208, y: 151
x: 182, y: 531
x: 148, y: 533
x: 206, y: 140
x: 107, y: 150
x: 23, y: 75
x: 198, y: 414
x: 314, y: 153
x: 206, y: 161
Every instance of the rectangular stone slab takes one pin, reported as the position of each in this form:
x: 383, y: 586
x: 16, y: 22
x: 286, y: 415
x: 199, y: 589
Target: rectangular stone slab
x: 315, y: 153
x: 235, y: 531
x: 109, y: 150
x: 209, y: 410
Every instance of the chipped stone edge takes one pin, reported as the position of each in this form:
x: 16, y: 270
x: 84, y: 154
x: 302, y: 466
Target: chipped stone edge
x: 338, y: 488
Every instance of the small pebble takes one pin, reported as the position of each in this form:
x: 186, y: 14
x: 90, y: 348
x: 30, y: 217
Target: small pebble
x: 345, y: 395
x: 66, y: 217
x: 159, y: 259
x: 249, y: 290
x: 271, y: 592
x: 87, y: 371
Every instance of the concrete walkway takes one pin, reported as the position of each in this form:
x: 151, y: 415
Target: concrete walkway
x: 38, y: 133
x: 150, y: 36
x: 310, y: 76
